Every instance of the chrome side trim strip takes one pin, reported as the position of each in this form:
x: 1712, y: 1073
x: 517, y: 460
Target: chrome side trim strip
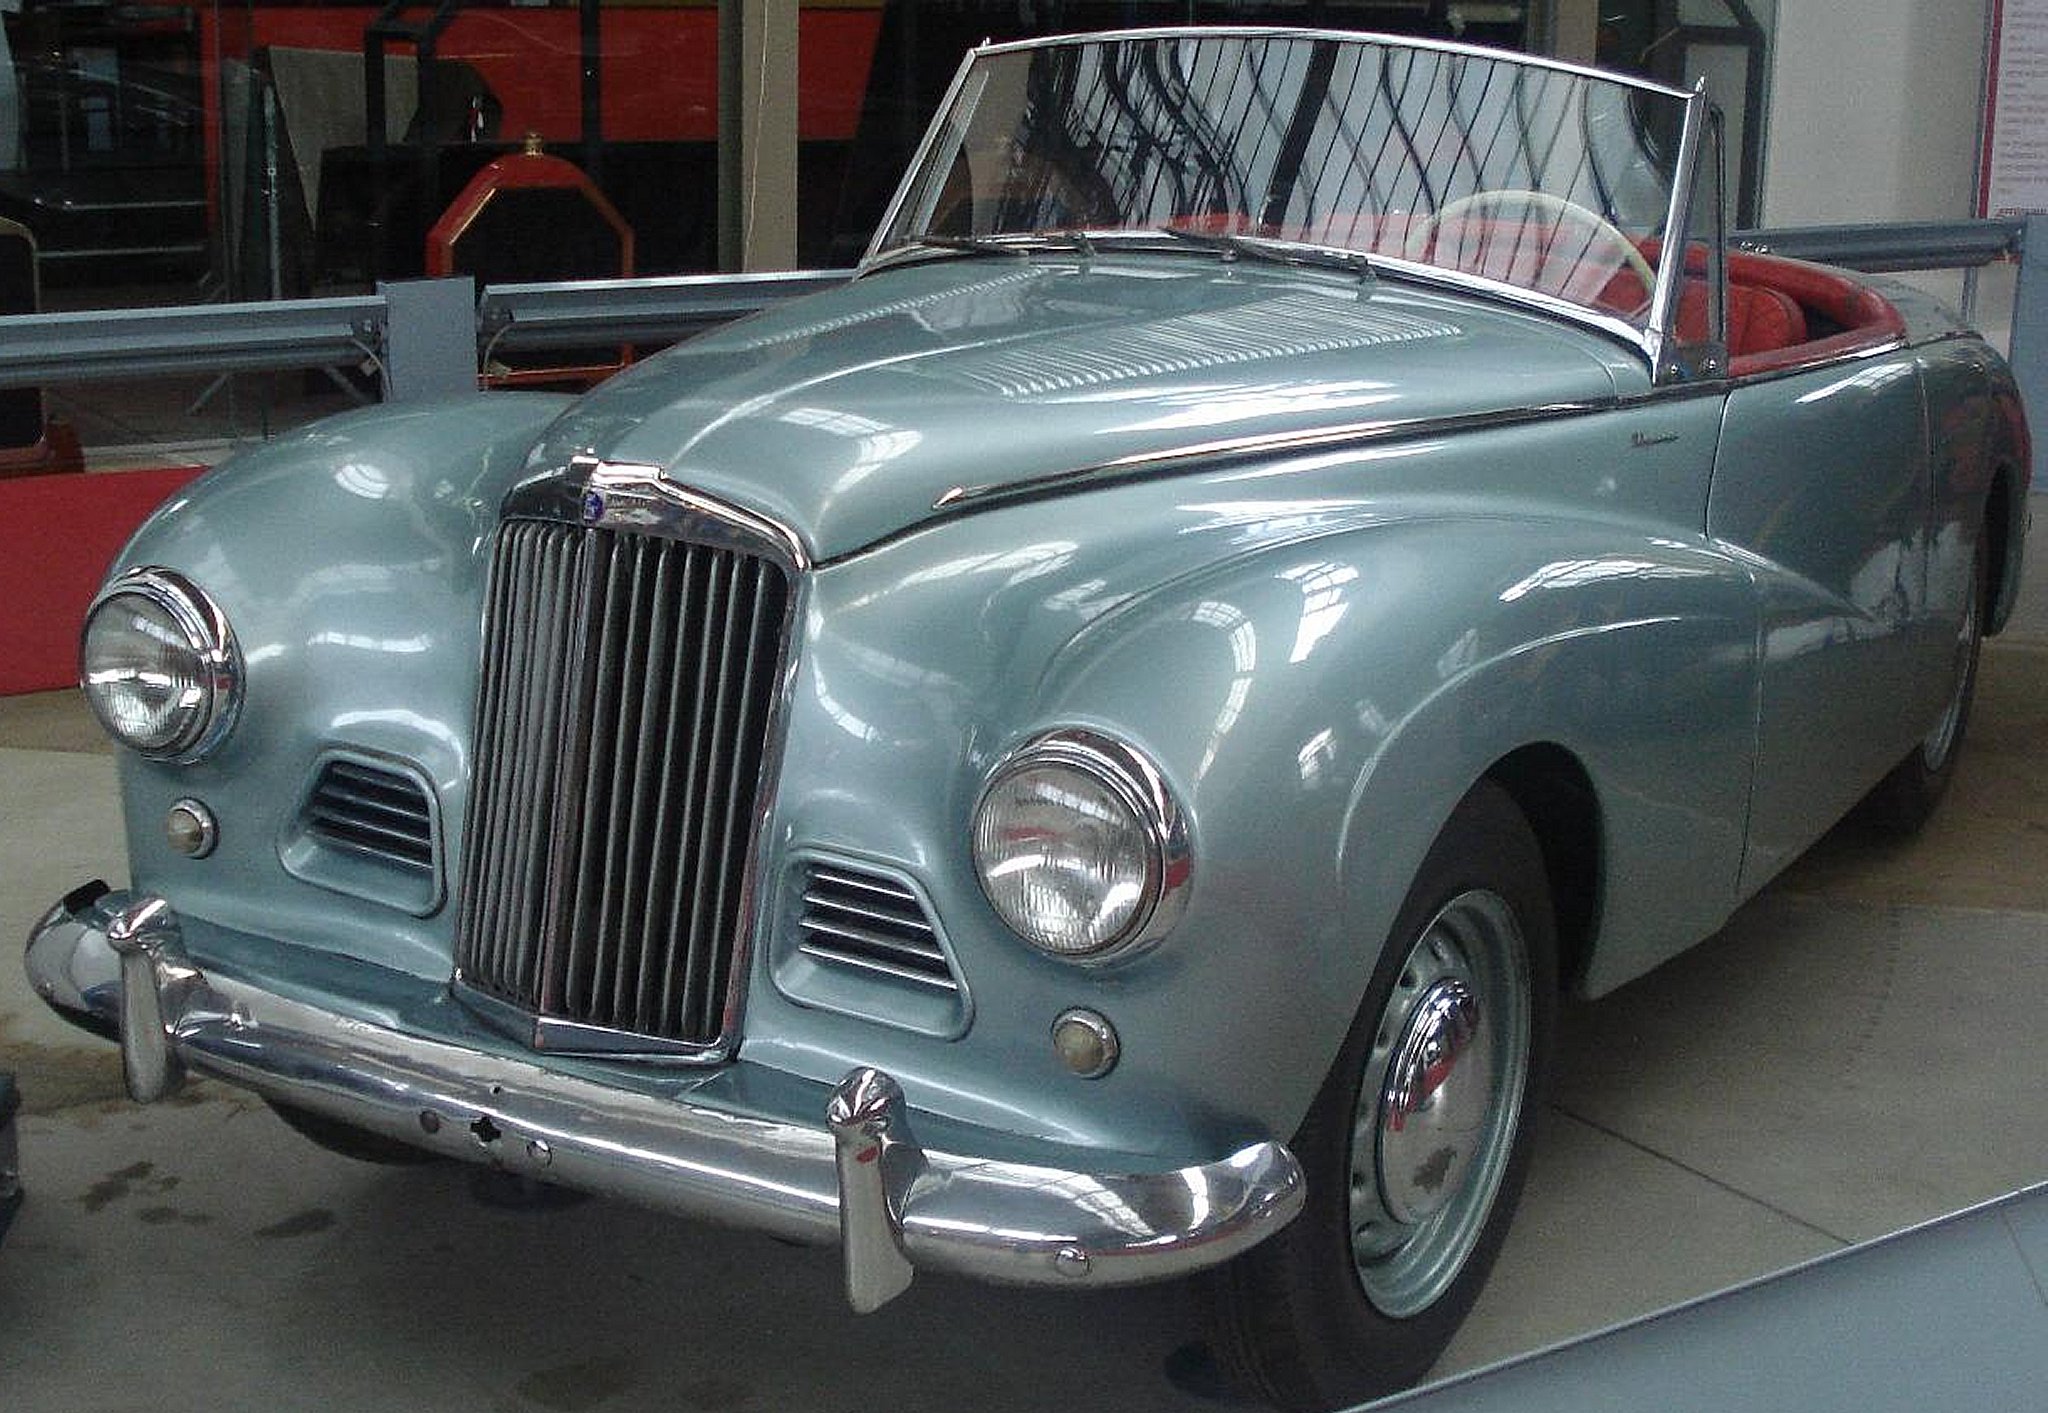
x: 854, y: 1174
x: 1263, y: 444
x: 1361, y: 434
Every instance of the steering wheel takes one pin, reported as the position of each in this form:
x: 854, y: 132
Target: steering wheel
x: 1517, y: 199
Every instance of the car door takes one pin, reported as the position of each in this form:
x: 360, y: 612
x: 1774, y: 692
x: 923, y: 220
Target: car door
x: 1823, y: 480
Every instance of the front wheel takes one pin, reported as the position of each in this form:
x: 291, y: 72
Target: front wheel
x: 1417, y: 1144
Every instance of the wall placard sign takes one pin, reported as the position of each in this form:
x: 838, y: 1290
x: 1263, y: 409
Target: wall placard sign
x: 2013, y: 174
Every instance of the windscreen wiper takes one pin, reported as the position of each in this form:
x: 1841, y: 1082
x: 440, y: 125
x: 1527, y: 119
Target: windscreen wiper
x: 1280, y: 252
x: 1030, y: 243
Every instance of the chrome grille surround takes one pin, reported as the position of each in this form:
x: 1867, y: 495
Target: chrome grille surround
x: 636, y: 668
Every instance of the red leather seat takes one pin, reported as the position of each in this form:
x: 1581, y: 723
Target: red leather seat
x: 1760, y: 319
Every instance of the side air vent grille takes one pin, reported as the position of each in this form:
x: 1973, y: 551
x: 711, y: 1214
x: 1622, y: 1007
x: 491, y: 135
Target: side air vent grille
x: 369, y: 827
x: 355, y: 805
x: 871, y: 924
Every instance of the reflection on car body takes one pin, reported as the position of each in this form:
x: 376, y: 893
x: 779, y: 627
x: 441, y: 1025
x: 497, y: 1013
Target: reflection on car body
x: 1089, y: 753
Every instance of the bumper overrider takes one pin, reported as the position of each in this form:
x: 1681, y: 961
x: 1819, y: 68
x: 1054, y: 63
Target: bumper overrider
x: 116, y: 963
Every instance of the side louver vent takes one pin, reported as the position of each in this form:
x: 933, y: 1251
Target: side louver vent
x: 358, y: 806
x: 368, y: 828
x: 873, y: 925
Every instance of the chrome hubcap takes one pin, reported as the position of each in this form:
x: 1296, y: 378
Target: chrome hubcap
x: 1439, y: 1104
x: 1438, y: 1091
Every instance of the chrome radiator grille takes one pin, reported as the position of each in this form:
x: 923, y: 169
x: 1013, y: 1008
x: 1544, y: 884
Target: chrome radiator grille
x: 628, y: 688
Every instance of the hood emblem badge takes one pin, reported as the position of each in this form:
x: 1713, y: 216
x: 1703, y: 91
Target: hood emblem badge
x: 593, y: 507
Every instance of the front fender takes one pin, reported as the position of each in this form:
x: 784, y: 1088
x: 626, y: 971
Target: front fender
x: 1322, y: 707
x: 1319, y: 695
x: 350, y: 558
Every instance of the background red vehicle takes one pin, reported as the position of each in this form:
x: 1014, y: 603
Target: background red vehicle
x: 232, y: 140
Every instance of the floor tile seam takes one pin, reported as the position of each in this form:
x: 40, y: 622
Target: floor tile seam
x: 1692, y: 1170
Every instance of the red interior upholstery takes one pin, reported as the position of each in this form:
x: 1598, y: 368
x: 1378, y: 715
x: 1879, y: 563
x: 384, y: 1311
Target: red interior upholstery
x: 1781, y: 313
x: 1760, y: 319
x: 1842, y: 316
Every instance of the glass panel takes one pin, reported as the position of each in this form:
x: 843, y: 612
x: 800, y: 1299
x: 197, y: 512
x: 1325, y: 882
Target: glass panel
x: 1700, y: 317
x: 916, y: 48
x: 1726, y: 42
x: 175, y: 152
x: 1529, y: 176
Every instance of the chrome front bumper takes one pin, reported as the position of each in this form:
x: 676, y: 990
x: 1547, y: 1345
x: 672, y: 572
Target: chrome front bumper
x: 856, y: 1176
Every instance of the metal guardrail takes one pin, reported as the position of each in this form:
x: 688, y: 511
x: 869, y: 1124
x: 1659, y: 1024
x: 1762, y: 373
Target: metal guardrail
x: 1896, y: 248
x: 101, y: 345
x: 413, y: 331
x: 402, y: 330
x: 645, y: 311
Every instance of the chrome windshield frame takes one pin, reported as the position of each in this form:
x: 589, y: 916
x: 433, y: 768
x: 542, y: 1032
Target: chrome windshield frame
x: 1655, y: 340
x: 1671, y: 361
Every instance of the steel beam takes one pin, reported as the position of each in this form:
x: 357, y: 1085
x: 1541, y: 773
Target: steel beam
x: 757, y: 139
x: 2028, y: 355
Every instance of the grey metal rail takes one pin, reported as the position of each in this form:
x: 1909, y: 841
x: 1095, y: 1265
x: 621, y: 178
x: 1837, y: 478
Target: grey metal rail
x: 426, y: 337
x: 1897, y: 248
x: 575, y: 314
x: 98, y: 345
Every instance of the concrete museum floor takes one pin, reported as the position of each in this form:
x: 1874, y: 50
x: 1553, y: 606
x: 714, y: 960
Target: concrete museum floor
x: 1861, y: 1049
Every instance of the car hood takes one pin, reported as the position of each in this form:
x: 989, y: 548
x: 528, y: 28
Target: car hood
x: 850, y: 415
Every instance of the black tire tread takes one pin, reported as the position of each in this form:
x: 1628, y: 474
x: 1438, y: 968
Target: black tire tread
x: 1269, y: 1323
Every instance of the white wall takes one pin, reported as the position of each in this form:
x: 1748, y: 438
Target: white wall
x: 1874, y: 111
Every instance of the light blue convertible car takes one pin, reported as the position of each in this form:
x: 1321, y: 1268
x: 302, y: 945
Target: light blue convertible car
x: 1090, y: 753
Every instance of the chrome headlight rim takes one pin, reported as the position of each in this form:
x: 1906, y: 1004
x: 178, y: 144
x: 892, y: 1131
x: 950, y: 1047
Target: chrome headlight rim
x: 1140, y: 785
x: 211, y: 640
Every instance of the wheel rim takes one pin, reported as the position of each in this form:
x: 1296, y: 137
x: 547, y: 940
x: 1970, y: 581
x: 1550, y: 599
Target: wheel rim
x: 1940, y: 743
x: 1439, y: 1104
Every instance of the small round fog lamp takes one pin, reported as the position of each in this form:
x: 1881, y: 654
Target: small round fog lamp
x: 1086, y: 1043
x: 190, y: 829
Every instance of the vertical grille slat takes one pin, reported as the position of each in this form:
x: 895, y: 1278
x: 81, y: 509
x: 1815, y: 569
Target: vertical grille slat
x: 743, y: 764
x: 683, y: 934
x: 648, y: 786
x: 622, y: 731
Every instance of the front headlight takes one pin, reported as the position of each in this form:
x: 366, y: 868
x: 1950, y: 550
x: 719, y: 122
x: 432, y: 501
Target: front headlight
x: 1079, y: 846
x: 159, y: 665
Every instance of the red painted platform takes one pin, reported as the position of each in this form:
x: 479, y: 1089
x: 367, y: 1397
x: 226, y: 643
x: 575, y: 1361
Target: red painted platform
x: 58, y: 534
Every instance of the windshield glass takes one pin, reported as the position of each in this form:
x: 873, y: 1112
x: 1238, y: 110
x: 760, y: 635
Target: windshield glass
x: 1551, y: 181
